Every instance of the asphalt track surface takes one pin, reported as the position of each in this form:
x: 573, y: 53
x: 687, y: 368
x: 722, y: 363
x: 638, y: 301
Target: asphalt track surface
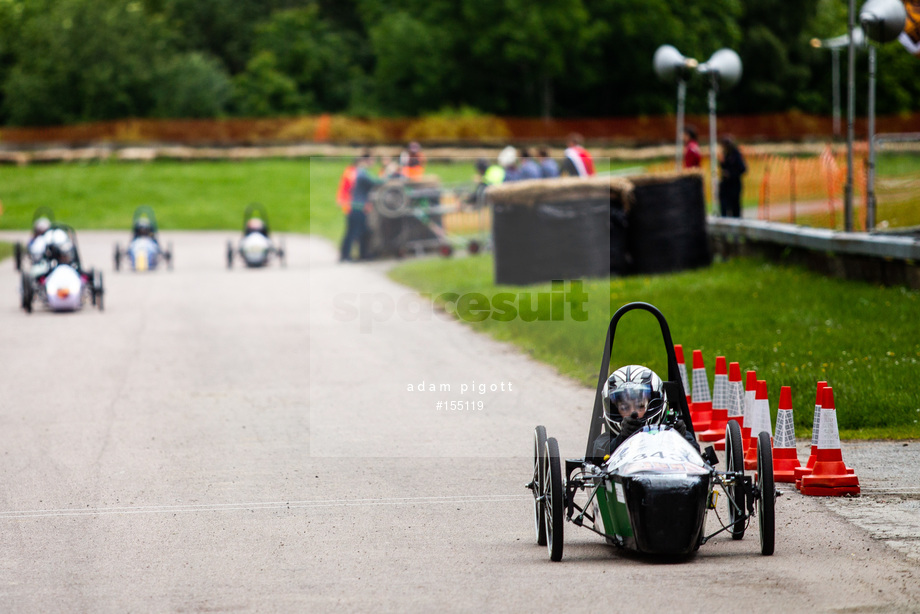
x: 220, y: 441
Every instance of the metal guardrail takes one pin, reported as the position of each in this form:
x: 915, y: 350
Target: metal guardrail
x: 818, y: 239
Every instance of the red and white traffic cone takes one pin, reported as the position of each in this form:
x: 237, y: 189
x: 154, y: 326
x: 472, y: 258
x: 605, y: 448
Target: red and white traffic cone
x: 785, y: 458
x: 816, y: 423
x: 735, y: 399
x: 682, y: 369
x: 716, y: 430
x: 701, y: 407
x: 760, y: 422
x: 829, y: 477
x: 747, y: 418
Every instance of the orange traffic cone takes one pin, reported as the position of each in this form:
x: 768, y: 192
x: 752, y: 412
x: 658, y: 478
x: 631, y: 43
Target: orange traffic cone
x: 829, y: 477
x: 735, y: 399
x: 701, y: 406
x: 785, y: 458
x: 816, y: 422
x: 760, y: 422
x: 716, y: 430
x: 682, y: 369
x: 747, y: 418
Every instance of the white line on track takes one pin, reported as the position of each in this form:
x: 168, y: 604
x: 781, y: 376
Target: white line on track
x: 252, y: 506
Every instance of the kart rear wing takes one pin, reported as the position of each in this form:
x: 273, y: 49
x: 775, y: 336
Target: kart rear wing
x: 674, y: 388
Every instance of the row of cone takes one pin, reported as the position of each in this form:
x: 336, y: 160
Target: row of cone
x: 824, y: 474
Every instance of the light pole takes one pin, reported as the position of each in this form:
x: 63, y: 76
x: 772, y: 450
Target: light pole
x: 723, y: 69
x: 670, y: 66
x: 835, y: 45
x: 883, y: 21
x: 851, y: 116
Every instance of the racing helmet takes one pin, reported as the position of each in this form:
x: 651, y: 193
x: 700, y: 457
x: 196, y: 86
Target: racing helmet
x: 62, y: 251
x: 40, y: 226
x: 633, y: 388
x: 143, y: 227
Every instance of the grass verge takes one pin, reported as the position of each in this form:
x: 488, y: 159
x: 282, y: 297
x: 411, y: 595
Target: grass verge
x: 792, y: 326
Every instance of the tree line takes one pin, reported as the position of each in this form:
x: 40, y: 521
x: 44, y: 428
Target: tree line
x: 67, y: 61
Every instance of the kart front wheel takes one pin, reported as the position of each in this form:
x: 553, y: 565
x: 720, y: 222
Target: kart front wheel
x: 168, y: 257
x: 539, y: 505
x: 553, y: 499
x: 117, y: 259
x: 734, y: 459
x: 766, y: 504
x: 27, y: 294
x: 229, y: 255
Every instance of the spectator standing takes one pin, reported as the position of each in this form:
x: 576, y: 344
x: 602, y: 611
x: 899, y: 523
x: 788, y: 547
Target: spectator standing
x: 693, y: 156
x: 346, y: 182
x: 732, y: 164
x: 357, y: 216
x: 489, y: 174
x: 549, y: 168
x: 507, y: 158
x: 412, y: 161
x: 578, y: 161
x: 529, y: 168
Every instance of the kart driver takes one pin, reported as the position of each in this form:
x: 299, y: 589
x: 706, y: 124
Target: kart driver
x: 60, y: 248
x: 255, y: 224
x: 633, y: 398
x: 143, y: 228
x: 37, y: 243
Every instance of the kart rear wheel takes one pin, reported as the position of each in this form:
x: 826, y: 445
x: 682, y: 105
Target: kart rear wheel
x: 473, y: 248
x: 168, y: 257
x: 446, y: 250
x: 229, y: 255
x: 117, y: 257
x: 282, y: 256
x: 17, y: 255
x: 554, y: 499
x: 734, y: 459
x: 766, y: 503
x: 539, y: 510
x: 27, y: 293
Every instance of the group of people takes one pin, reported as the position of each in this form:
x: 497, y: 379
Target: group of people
x: 519, y: 165
x: 355, y: 187
x: 731, y: 165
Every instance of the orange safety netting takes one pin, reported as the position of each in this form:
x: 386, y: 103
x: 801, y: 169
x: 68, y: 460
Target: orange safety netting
x: 799, y: 189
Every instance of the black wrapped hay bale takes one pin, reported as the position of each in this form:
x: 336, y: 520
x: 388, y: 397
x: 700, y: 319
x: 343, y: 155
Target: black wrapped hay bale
x: 554, y: 229
x: 667, y: 223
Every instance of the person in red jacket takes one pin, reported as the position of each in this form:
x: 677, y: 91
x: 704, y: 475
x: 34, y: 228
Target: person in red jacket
x: 693, y: 156
x: 578, y: 161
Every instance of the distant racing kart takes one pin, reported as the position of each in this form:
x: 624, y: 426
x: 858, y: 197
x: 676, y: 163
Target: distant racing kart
x: 57, y: 279
x: 144, y: 252
x: 653, y: 493
x: 255, y: 248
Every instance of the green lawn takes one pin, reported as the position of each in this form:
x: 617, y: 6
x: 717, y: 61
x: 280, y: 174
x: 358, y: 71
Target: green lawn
x: 792, y: 326
x: 198, y: 195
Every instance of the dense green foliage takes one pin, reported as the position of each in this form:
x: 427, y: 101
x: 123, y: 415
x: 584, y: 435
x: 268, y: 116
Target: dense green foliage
x: 63, y: 61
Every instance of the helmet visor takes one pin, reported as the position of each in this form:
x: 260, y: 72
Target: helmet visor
x: 631, y: 398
